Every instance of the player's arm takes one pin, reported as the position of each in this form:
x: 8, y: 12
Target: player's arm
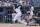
x: 14, y: 7
x: 19, y: 7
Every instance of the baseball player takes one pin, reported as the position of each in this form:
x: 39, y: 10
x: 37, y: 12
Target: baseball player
x: 32, y: 7
x: 29, y: 19
x: 18, y: 15
x: 31, y: 13
x: 31, y: 10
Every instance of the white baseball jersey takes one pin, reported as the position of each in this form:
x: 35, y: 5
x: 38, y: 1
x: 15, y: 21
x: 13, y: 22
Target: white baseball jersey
x: 13, y: 15
x: 31, y: 13
x: 18, y: 10
x: 17, y: 16
x: 32, y: 8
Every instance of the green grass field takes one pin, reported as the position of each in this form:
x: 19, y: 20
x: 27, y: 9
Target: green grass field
x: 10, y: 23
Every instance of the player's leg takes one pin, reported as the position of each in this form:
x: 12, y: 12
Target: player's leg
x: 19, y: 19
x: 13, y: 20
x: 23, y: 21
x: 31, y: 23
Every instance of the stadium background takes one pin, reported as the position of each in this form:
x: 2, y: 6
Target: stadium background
x: 10, y: 10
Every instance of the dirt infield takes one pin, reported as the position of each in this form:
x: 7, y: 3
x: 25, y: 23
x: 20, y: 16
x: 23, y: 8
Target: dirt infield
x: 15, y: 25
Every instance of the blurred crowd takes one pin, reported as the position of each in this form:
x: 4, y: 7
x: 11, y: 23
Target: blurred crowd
x: 6, y: 3
x: 19, y: 2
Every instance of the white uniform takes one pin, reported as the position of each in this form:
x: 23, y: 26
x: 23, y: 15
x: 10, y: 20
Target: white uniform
x: 13, y: 15
x: 32, y: 8
x: 18, y: 16
x: 31, y: 13
x: 32, y: 22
